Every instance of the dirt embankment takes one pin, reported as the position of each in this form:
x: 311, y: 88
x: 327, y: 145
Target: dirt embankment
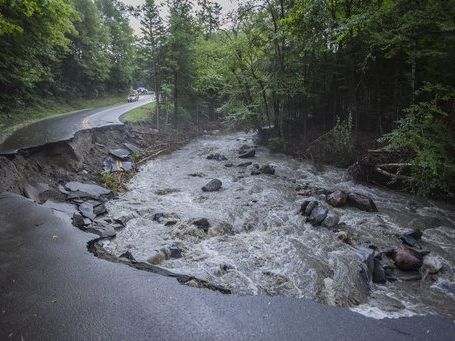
x: 81, y: 158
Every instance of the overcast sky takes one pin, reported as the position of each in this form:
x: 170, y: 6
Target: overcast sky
x: 227, y: 6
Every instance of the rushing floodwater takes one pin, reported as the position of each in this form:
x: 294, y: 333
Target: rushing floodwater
x: 257, y: 243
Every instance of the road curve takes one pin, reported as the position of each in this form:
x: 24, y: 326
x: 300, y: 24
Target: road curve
x: 64, y: 127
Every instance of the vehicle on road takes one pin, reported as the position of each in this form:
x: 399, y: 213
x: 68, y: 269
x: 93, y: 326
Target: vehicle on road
x: 133, y: 98
x: 142, y: 91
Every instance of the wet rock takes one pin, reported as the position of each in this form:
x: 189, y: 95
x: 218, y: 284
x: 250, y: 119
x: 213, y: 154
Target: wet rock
x: 120, y: 153
x: 362, y: 202
x: 331, y: 220
x: 318, y: 214
x: 99, y: 210
x: 337, y: 199
x: 379, y: 275
x: 244, y: 148
x: 366, y: 256
x: 229, y: 165
x: 175, y: 252
x: 309, y: 207
x: 248, y: 154
x: 217, y: 157
x: 202, y: 224
x: 123, y: 220
x: 160, y: 217
x: 86, y: 210
x: 213, y: 186
x: 132, y: 147
x: 431, y: 264
x: 412, y: 238
x: 90, y: 190
x: 407, y: 259
x: 245, y: 164
x: 102, y: 230
x: 79, y: 221
x: 170, y: 223
x: 128, y: 256
x: 267, y: 169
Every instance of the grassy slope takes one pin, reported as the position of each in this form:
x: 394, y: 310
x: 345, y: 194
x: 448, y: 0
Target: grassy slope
x: 52, y: 109
x: 141, y: 114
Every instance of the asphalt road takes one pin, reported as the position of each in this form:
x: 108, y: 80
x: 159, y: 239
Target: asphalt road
x: 64, y: 127
x: 52, y: 288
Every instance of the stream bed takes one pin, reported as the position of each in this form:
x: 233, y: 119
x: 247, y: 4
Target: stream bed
x: 249, y: 238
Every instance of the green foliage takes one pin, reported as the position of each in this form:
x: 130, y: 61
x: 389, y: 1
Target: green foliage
x: 116, y: 181
x: 62, y: 48
x: 336, y: 146
x: 428, y: 131
x: 145, y: 113
x: 275, y: 145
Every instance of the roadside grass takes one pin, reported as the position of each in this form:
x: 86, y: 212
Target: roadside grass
x: 48, y: 109
x: 141, y: 114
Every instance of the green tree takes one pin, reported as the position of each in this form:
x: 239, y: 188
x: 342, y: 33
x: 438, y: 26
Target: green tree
x: 33, y: 36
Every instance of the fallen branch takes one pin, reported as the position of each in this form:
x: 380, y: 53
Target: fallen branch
x: 394, y: 176
x: 151, y: 156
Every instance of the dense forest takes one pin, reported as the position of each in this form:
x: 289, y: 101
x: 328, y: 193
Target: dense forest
x: 331, y: 76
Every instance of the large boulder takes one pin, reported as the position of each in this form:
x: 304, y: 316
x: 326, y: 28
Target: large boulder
x: 407, y: 259
x: 337, y: 198
x: 362, y: 202
x: 213, y: 186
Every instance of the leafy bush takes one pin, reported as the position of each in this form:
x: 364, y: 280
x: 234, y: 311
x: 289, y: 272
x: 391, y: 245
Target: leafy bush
x: 336, y: 146
x: 275, y: 145
x: 428, y: 131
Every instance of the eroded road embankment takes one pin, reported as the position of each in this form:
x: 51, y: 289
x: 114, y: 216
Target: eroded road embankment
x: 65, y: 127
x: 54, y: 288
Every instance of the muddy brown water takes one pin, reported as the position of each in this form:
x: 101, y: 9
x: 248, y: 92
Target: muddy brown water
x: 257, y: 243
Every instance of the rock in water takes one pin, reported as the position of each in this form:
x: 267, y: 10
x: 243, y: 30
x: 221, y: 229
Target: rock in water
x: 318, y: 214
x: 79, y: 221
x: 128, y: 256
x: 310, y: 207
x: 217, y: 157
x: 379, y: 275
x: 432, y: 264
x: 267, y: 169
x: 86, y: 209
x: 248, y: 154
x: 213, y: 186
x: 407, y: 259
x: 331, y: 220
x: 337, y: 198
x: 367, y: 256
x: 202, y: 224
x: 362, y: 202
x: 175, y: 252
x: 412, y: 238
